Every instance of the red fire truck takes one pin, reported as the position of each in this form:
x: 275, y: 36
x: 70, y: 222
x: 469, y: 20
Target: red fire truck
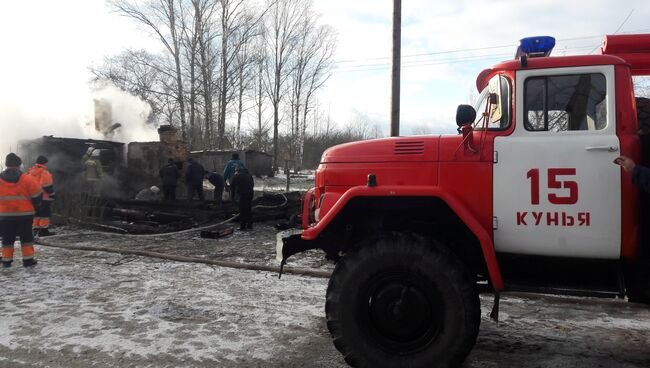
x: 525, y: 198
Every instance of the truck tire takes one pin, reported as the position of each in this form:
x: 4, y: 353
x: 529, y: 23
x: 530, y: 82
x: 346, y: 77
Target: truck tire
x: 402, y: 302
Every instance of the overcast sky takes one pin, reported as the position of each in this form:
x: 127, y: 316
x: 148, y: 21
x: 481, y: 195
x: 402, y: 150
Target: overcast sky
x: 49, y: 45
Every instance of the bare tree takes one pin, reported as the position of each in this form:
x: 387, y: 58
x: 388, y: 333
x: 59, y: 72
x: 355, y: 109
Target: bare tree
x: 260, y: 66
x: 193, y: 29
x: 362, y: 127
x: 642, y: 86
x: 207, y: 63
x: 226, y: 62
x: 421, y: 129
x: 245, y: 64
x: 319, y: 67
x: 163, y: 18
x: 282, y: 25
x: 300, y: 61
x: 142, y: 74
x: 238, y: 26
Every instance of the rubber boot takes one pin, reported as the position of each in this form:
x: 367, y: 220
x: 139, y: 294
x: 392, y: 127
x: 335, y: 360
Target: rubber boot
x: 29, y: 262
x: 6, y: 264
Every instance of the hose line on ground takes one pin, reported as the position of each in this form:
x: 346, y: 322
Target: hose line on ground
x: 172, y: 257
x: 285, y: 201
x: 143, y: 253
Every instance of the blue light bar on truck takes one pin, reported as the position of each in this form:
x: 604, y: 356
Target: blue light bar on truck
x: 535, y: 46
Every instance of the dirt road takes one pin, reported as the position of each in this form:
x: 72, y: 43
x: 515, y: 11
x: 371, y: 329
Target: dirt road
x: 81, y: 309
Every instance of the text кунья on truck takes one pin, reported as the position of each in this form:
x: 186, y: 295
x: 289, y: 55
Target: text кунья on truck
x: 526, y: 198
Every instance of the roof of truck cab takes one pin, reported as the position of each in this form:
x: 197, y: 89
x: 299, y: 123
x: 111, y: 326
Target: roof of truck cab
x: 549, y: 62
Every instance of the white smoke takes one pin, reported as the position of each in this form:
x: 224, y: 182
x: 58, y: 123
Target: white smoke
x: 130, y: 112
x: 26, y: 116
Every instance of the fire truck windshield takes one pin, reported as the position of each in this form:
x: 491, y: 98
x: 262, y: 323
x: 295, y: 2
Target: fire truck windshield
x: 499, y: 113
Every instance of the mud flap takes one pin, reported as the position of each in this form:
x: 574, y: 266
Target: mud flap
x: 495, y: 307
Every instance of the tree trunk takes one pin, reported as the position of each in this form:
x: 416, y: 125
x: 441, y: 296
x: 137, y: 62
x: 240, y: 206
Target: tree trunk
x: 240, y: 107
x: 275, y: 135
x: 177, y: 61
x: 259, y: 112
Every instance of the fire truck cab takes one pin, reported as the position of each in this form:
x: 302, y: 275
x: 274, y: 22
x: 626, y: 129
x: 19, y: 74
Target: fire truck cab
x: 526, y: 197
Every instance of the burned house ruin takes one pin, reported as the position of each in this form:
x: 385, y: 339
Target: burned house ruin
x: 130, y: 167
x: 258, y: 163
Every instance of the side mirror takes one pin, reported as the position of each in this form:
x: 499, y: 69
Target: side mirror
x: 465, y: 115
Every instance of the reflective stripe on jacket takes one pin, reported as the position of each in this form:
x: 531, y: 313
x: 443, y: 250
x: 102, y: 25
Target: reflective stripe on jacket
x: 16, y: 197
x: 44, y: 178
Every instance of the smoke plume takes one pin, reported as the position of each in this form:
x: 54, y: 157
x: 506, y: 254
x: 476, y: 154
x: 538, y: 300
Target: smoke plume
x: 71, y: 114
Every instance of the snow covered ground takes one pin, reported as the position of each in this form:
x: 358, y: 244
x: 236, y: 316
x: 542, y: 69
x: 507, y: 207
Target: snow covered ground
x: 81, y: 309
x: 303, y: 182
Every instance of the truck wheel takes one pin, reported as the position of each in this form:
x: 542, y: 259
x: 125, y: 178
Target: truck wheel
x: 402, y: 302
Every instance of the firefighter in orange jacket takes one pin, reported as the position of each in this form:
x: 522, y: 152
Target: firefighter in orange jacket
x: 39, y: 172
x: 20, y: 195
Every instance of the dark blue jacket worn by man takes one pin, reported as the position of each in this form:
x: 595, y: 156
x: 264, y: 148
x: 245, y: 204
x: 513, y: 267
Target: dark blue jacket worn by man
x: 242, y: 183
x: 216, y: 180
x: 169, y: 175
x: 641, y: 177
x: 194, y: 179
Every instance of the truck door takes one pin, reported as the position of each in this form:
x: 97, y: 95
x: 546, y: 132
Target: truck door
x: 556, y: 190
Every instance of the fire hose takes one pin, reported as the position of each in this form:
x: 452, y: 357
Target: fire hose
x: 172, y: 257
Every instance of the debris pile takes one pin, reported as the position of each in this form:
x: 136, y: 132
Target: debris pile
x: 152, y: 217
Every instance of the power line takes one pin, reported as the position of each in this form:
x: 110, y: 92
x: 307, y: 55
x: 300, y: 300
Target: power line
x: 426, y: 54
x: 479, y: 48
x: 625, y: 21
x: 573, y: 48
x: 617, y: 29
x: 420, y: 63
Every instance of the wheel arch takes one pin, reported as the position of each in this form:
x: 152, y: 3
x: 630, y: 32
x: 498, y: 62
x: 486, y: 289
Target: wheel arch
x: 362, y: 212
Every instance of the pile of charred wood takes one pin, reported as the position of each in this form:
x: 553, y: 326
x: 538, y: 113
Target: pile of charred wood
x: 151, y: 217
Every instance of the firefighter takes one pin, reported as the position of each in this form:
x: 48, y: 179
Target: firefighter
x: 42, y: 176
x: 242, y: 184
x: 93, y: 172
x: 20, y: 195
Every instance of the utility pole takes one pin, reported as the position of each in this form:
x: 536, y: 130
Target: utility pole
x: 397, y: 55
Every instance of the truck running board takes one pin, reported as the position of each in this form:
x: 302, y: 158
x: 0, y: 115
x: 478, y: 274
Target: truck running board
x: 558, y: 290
